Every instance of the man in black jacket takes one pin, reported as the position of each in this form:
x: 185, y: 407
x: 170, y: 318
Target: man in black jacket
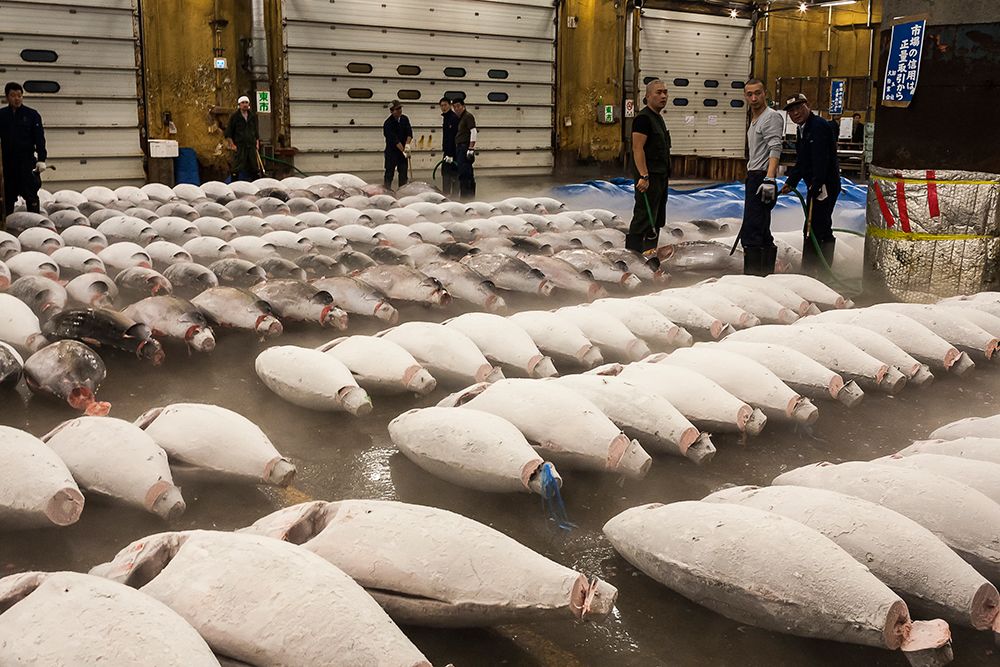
x: 22, y: 147
x: 449, y: 130
x: 243, y: 136
x: 651, y: 154
x: 816, y: 163
x: 398, y: 136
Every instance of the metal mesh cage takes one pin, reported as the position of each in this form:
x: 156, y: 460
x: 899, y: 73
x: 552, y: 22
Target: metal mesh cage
x: 933, y: 234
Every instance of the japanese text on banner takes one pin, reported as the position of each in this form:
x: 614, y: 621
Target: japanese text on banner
x: 903, y: 65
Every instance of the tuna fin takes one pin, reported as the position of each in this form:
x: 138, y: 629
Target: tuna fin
x: 463, y: 396
x: 296, y: 524
x: 329, y: 345
x: 145, y: 419
x: 16, y: 587
x: 140, y: 562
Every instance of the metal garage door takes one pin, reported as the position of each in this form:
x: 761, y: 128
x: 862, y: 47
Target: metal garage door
x: 347, y: 59
x: 77, y: 62
x: 704, y: 61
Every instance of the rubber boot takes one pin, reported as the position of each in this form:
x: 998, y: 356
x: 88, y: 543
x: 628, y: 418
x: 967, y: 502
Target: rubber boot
x: 811, y: 263
x: 634, y: 242
x: 650, y: 241
x: 768, y: 260
x: 753, y: 260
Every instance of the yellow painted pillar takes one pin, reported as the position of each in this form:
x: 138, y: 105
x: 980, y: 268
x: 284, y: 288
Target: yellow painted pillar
x: 590, y: 60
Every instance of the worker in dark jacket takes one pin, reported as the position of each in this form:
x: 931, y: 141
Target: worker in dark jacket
x: 243, y: 136
x: 449, y: 130
x: 398, y: 136
x: 816, y: 164
x: 466, y: 135
x: 651, y: 155
x: 22, y: 146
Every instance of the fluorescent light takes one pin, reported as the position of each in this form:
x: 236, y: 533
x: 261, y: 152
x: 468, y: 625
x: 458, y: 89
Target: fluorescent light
x: 835, y: 3
x: 803, y: 7
x: 733, y: 13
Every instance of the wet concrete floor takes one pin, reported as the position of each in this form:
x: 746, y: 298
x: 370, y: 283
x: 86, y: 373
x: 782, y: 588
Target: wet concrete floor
x: 339, y: 456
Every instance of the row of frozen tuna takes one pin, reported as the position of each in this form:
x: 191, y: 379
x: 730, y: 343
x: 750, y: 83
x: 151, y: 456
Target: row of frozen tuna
x: 857, y: 540
x: 130, y: 463
x: 314, y: 584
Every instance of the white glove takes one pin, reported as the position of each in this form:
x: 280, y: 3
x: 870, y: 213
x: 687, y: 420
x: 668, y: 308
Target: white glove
x: 768, y: 191
x: 40, y: 167
x: 448, y: 159
x: 822, y: 193
x: 470, y: 153
x: 407, y: 150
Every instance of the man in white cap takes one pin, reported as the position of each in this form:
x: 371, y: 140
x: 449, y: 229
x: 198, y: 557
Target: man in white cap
x: 243, y: 136
x: 816, y: 163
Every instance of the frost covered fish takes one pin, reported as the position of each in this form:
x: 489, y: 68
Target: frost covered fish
x: 582, y: 438
x: 509, y: 273
x: 465, y: 283
x: 565, y: 276
x: 189, y: 279
x: 425, y: 584
x: 38, y: 490
x: 707, y: 551
x: 116, y: 459
x: 176, y: 318
x: 295, y: 300
x: 357, y: 297
x: 503, y: 342
x: 311, y: 379
x: 43, y: 295
x: 64, y: 619
x: 379, y: 364
x: 215, y: 443
x: 473, y: 449
x: 600, y: 268
x: 558, y: 337
x: 265, y: 591
x: 406, y: 284
x: 236, y: 308
x: 100, y: 327
x: 449, y: 355
x: 93, y: 289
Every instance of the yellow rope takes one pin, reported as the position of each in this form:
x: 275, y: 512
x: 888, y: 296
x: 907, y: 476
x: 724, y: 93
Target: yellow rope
x: 882, y: 233
x: 936, y: 181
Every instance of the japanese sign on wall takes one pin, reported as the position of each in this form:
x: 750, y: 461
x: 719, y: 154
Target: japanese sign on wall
x: 903, y: 65
x: 263, y: 101
x: 837, y: 89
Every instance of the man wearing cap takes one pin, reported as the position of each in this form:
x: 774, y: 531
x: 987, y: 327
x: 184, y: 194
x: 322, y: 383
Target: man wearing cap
x: 398, y: 137
x: 651, y: 155
x: 465, y: 149
x: 449, y: 130
x: 764, y: 147
x: 816, y: 163
x: 22, y: 146
x: 243, y: 137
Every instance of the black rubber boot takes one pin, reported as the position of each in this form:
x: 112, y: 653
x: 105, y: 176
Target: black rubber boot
x: 634, y: 242
x: 811, y: 264
x: 753, y: 260
x: 650, y: 241
x: 768, y: 260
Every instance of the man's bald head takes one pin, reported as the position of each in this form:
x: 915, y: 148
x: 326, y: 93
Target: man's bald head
x: 656, y: 95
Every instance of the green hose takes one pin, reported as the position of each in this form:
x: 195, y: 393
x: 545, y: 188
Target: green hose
x: 434, y: 173
x: 287, y: 164
x: 806, y: 209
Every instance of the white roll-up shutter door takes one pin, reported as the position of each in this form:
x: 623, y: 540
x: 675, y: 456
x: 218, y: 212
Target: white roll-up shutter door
x: 346, y: 60
x: 704, y: 60
x: 77, y: 62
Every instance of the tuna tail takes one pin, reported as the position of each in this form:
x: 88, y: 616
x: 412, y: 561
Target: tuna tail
x: 552, y: 498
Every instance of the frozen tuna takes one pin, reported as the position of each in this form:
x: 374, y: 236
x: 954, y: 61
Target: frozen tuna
x: 264, y: 591
x: 38, y: 490
x: 215, y: 443
x: 449, y: 355
x: 357, y: 297
x: 504, y: 342
x: 425, y: 584
x: 311, y: 379
x: 607, y: 332
x: 236, y: 308
x: 298, y: 301
x: 509, y: 273
x: 473, y: 449
x: 644, y: 321
x: 465, y: 283
x: 960, y: 516
x: 708, y: 552
x: 171, y: 317
x: 43, y: 295
x: 558, y: 337
x: 11, y: 366
x: 18, y: 325
x: 69, y: 371
x: 405, y: 284
x: 380, y: 365
x: 565, y: 276
x: 103, y: 328
x: 582, y: 438
x: 116, y: 459
x: 65, y: 619
x: 971, y: 427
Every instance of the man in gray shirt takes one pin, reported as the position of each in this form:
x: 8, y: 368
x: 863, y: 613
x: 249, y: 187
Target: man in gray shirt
x: 764, y: 135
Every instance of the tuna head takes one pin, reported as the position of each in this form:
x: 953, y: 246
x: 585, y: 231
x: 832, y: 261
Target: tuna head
x: 267, y: 325
x: 71, y: 371
x: 200, y: 339
x: 11, y: 366
x: 164, y: 500
x: 419, y: 381
x: 141, y: 562
x: 356, y: 400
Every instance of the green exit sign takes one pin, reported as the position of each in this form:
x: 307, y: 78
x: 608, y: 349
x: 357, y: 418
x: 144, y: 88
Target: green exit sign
x: 609, y: 113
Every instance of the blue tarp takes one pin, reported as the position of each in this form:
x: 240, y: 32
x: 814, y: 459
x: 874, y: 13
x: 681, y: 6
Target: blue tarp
x: 710, y: 202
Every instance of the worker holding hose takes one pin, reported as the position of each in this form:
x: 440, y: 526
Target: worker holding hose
x: 816, y: 164
x: 651, y: 155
